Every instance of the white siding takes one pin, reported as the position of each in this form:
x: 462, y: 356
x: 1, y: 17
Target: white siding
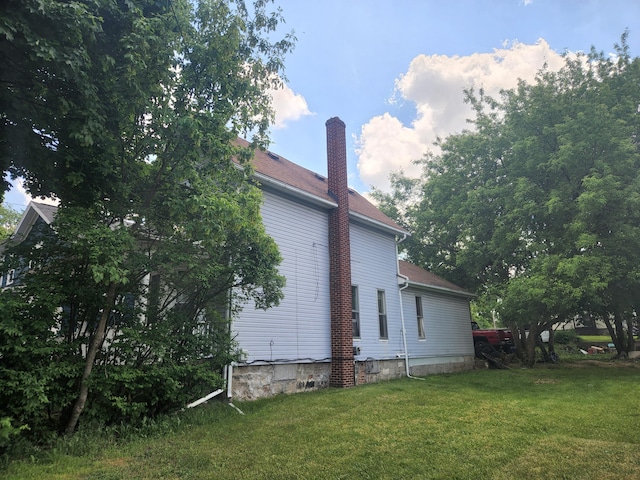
x: 373, y: 268
x: 299, y: 328
x: 447, y: 324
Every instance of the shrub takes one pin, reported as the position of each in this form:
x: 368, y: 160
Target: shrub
x: 565, y: 337
x: 131, y: 395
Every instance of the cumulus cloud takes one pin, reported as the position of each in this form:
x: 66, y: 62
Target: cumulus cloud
x: 435, y: 84
x: 18, y: 198
x: 288, y: 106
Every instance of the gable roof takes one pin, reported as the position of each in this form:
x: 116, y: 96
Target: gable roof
x: 419, y: 277
x: 282, y: 174
x: 32, y: 213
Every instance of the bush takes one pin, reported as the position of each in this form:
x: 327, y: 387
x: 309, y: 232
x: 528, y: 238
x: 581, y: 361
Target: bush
x: 132, y: 395
x: 565, y: 337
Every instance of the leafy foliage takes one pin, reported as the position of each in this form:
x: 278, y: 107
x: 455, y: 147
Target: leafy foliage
x: 537, y: 208
x: 130, y: 119
x: 9, y: 219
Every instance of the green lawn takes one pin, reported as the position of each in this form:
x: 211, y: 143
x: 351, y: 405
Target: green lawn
x: 574, y: 420
x: 595, y: 338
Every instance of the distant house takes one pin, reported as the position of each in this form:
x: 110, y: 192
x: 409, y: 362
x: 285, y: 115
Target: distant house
x: 36, y: 216
x: 352, y: 313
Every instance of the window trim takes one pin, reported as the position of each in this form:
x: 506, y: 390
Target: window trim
x: 355, y: 312
x: 422, y: 335
x: 383, y: 326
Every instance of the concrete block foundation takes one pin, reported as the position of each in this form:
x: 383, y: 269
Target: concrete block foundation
x: 251, y: 382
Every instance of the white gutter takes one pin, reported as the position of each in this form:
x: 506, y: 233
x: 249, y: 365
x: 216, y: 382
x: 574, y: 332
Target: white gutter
x: 376, y: 223
x: 205, y: 398
x: 446, y: 290
x: 314, y: 199
x: 404, y: 330
x: 284, y: 187
x: 229, y: 374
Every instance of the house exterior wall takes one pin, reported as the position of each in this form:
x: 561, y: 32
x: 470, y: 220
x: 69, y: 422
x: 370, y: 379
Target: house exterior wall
x: 298, y: 329
x: 288, y: 347
x: 13, y: 277
x: 373, y: 268
x: 448, y: 344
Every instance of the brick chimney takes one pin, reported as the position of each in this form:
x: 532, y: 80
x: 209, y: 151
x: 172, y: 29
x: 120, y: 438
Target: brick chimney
x: 342, y: 369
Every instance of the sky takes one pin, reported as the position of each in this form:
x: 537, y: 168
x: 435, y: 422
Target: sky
x: 394, y: 70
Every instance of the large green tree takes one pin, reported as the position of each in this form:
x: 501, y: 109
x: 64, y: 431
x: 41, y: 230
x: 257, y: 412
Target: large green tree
x: 537, y: 206
x: 128, y: 112
x: 9, y: 219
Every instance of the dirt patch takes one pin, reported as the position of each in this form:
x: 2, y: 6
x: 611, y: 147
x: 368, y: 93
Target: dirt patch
x: 541, y: 381
x: 604, y: 363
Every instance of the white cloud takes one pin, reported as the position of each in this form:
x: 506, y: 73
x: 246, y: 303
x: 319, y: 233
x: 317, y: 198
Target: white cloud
x: 435, y: 84
x: 18, y: 198
x: 288, y: 106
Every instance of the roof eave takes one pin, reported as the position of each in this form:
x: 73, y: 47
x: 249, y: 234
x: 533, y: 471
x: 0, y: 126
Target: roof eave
x: 363, y: 218
x: 444, y: 290
x: 284, y: 187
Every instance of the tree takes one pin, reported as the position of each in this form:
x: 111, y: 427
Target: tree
x: 537, y: 207
x: 9, y: 219
x: 159, y: 229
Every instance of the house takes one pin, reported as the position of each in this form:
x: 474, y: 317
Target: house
x: 352, y: 312
x: 36, y: 216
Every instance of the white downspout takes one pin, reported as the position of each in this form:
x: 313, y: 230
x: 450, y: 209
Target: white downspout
x: 404, y: 330
x: 229, y: 373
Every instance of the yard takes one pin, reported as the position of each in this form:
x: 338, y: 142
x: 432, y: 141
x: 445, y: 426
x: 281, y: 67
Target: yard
x: 573, y: 420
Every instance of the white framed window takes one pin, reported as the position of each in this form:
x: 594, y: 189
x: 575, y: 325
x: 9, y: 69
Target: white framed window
x: 420, y: 318
x: 382, y: 315
x: 10, y: 277
x: 355, y: 311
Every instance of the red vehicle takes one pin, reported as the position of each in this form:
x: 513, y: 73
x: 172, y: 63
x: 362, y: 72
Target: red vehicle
x: 486, y: 340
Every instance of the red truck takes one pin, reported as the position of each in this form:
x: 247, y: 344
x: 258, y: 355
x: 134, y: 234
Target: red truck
x: 485, y: 340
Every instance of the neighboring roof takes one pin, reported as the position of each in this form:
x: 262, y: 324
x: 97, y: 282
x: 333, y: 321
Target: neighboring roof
x: 278, y: 171
x: 46, y: 211
x: 420, y: 277
x: 31, y: 214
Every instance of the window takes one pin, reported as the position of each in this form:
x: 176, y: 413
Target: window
x: 420, y: 318
x: 382, y: 315
x: 355, y: 311
x: 11, y: 276
x: 153, y: 297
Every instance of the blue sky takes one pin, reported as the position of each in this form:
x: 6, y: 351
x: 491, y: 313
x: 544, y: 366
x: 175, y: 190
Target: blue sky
x: 351, y: 55
x: 394, y: 70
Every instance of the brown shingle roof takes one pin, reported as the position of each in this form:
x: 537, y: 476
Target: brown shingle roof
x: 422, y: 277
x: 282, y: 170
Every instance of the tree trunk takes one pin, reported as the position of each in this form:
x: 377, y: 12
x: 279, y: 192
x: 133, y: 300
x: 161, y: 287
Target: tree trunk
x: 620, y: 343
x: 94, y: 346
x: 531, y: 349
x: 612, y: 333
x: 631, y: 342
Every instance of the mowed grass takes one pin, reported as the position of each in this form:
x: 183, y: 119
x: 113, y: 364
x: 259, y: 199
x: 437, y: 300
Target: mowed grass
x: 573, y: 421
x: 596, y: 338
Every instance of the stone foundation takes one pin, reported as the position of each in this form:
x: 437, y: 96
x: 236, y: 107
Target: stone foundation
x: 251, y: 382
x: 441, y: 365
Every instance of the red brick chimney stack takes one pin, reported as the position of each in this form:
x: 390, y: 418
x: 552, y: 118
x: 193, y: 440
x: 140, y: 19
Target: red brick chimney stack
x: 342, y: 369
